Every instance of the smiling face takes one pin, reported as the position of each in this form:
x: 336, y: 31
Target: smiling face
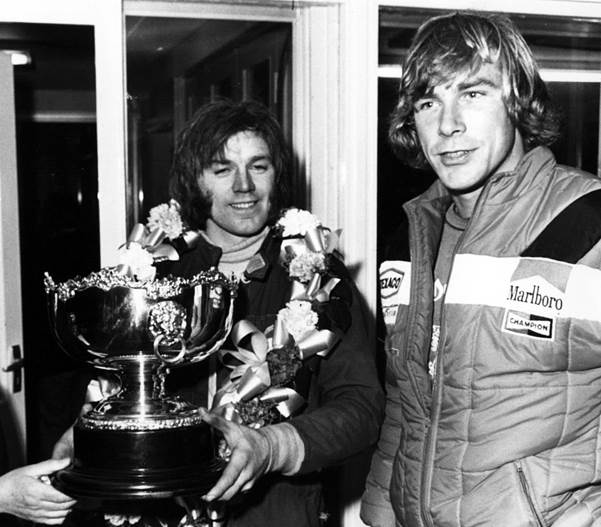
x: 238, y: 185
x: 466, y: 133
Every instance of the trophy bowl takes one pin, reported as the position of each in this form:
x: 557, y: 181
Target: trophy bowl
x: 139, y: 442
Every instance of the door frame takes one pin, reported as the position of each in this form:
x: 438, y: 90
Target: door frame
x: 12, y: 389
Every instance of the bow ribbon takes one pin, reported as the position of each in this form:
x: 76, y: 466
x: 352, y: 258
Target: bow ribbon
x: 152, y: 240
x: 313, y: 291
x: 251, y: 379
x: 317, y: 240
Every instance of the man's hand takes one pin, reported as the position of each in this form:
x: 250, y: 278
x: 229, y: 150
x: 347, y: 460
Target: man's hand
x: 23, y: 493
x: 250, y: 454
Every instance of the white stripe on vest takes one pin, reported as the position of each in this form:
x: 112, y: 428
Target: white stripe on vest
x: 536, y: 285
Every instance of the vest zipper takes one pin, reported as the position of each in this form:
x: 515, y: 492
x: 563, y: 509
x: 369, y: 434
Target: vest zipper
x: 412, y: 218
x: 526, y: 492
x: 430, y: 440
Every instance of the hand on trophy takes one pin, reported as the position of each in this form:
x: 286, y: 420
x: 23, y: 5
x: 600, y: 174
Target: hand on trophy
x: 249, y: 459
x: 25, y: 492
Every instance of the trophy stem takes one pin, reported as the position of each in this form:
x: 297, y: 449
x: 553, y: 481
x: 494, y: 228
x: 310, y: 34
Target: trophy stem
x: 142, y: 383
x: 141, y: 401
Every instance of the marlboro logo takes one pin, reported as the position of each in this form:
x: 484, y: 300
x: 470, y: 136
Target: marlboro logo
x: 533, y: 295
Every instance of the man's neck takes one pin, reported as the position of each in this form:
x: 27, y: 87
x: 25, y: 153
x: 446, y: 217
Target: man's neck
x: 224, y: 239
x: 235, y: 256
x: 464, y: 204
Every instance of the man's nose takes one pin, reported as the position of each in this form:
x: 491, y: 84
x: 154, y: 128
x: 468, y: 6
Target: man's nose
x: 451, y: 120
x: 243, y: 181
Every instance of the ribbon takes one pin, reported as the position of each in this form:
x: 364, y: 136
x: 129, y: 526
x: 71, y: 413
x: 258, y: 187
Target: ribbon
x: 255, y: 357
x: 313, y: 342
x: 251, y: 379
x: 317, y: 240
x: 313, y: 290
x: 152, y: 241
x: 316, y: 342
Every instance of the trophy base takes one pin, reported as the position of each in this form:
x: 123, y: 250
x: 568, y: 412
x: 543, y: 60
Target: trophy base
x: 117, y: 465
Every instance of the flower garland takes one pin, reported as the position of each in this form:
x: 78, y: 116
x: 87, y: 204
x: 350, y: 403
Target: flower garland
x: 261, y: 389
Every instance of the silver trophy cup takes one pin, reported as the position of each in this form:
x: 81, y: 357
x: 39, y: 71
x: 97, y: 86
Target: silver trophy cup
x: 139, y: 442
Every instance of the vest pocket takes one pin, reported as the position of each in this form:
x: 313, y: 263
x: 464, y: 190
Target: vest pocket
x: 558, y: 505
x: 525, y: 487
x: 401, y: 372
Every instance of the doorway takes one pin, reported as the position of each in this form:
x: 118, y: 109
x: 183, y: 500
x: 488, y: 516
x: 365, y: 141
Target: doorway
x: 58, y: 207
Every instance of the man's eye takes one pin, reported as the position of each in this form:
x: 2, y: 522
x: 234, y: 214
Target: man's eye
x: 423, y: 105
x: 259, y: 167
x: 472, y: 94
x: 221, y: 171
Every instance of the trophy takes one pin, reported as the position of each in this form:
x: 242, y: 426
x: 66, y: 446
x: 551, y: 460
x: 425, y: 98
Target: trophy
x: 139, y: 442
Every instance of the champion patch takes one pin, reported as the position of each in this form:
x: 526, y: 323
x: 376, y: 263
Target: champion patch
x: 529, y: 325
x: 390, y: 282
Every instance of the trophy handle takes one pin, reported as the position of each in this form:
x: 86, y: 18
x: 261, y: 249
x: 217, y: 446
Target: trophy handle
x: 156, y: 345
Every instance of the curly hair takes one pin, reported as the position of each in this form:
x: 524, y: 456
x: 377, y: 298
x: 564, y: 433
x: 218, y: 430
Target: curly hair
x: 204, y: 138
x: 448, y: 45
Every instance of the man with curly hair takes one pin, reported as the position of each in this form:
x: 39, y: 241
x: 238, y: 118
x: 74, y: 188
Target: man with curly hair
x: 231, y: 177
x: 490, y: 295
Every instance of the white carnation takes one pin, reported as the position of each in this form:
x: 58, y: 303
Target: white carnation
x: 298, y: 318
x: 296, y: 222
x: 303, y: 266
x: 139, y: 260
x: 166, y: 217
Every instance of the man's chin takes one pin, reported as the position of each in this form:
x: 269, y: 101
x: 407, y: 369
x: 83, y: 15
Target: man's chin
x: 233, y: 232
x: 247, y: 230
